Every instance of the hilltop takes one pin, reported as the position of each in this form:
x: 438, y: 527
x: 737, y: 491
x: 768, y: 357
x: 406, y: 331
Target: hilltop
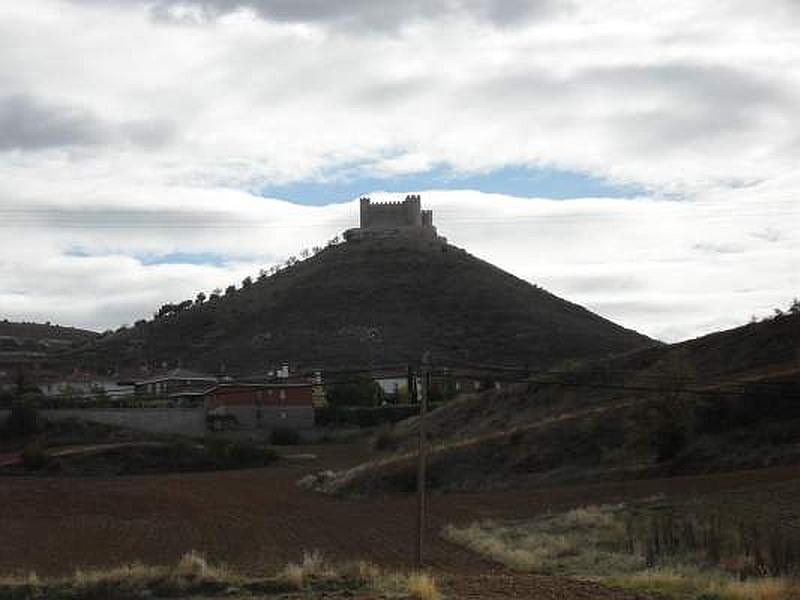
x: 369, y: 302
x: 726, y: 401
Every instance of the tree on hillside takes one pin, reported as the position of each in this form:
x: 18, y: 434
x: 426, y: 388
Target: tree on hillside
x: 231, y: 289
x: 215, y: 294
x: 166, y: 310
x: 247, y: 282
x: 359, y: 391
x: 201, y: 297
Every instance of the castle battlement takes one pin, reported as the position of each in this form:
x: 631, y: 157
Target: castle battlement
x: 389, y: 219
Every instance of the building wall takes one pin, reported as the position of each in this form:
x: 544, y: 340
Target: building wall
x: 270, y: 417
x: 389, y: 215
x: 165, y: 387
x: 260, y: 396
x: 182, y: 421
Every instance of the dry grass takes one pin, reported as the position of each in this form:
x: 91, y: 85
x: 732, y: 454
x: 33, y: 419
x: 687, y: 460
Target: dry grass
x: 590, y: 516
x: 422, y: 586
x: 530, y: 554
x: 595, y: 542
x: 194, y: 576
x: 760, y: 589
x: 578, y: 541
x: 312, y: 567
x: 672, y: 583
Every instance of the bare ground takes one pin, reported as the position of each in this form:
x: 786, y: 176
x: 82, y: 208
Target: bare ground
x: 258, y: 520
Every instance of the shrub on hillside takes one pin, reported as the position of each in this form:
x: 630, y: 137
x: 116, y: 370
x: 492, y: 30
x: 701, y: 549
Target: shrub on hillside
x: 284, y: 436
x: 234, y: 454
x: 23, y: 421
x: 674, y: 427
x: 243, y: 454
x: 385, y: 440
x: 365, y: 416
x: 360, y: 391
x: 34, y: 457
x: 7, y: 398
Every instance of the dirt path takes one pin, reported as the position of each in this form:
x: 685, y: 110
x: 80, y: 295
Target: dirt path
x: 9, y: 459
x: 258, y: 520
x: 497, y: 586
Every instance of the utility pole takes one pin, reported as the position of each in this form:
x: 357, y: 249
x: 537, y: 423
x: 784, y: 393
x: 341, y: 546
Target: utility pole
x: 421, y: 462
x: 411, y: 385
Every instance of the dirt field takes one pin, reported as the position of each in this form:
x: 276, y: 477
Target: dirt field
x: 258, y: 520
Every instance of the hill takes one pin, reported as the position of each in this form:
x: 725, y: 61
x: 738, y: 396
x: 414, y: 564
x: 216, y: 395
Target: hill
x: 41, y: 337
x: 366, y: 303
x: 725, y: 401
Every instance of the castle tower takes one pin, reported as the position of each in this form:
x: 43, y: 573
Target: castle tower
x: 394, y: 219
x: 413, y: 207
x: 364, y: 205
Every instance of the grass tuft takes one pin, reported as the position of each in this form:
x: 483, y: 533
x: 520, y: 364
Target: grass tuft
x: 312, y: 566
x: 193, y: 576
x: 773, y: 588
x: 422, y: 586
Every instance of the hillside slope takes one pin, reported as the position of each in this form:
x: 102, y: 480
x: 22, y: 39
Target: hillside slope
x: 40, y: 336
x: 371, y: 303
x: 725, y: 401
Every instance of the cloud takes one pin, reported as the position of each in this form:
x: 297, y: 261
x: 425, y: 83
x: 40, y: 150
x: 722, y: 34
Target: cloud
x: 364, y: 15
x: 663, y: 101
x: 28, y: 123
x: 125, y: 138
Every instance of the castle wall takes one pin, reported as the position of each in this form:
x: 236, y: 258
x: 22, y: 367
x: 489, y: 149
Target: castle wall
x: 386, y: 216
x: 394, y: 218
x: 389, y: 215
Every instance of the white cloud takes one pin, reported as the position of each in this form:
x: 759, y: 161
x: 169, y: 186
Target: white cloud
x: 154, y: 124
x: 671, y: 269
x: 689, y: 96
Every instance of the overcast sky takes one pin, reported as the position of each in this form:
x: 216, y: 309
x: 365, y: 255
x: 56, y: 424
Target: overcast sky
x: 638, y: 158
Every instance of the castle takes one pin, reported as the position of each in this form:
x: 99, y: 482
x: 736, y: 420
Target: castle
x: 394, y: 219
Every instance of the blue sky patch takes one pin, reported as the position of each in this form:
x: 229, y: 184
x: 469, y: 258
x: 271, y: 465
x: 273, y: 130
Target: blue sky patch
x: 171, y: 258
x: 184, y: 258
x: 513, y: 181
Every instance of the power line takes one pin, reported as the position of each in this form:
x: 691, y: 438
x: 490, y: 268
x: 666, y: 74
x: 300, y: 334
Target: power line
x: 551, y: 378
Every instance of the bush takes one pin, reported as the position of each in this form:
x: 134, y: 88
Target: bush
x: 7, y: 398
x: 674, y: 424
x: 385, y: 440
x: 23, y: 421
x: 237, y: 454
x: 242, y: 454
x: 34, y: 457
x: 284, y: 436
x: 360, y: 391
x: 365, y: 416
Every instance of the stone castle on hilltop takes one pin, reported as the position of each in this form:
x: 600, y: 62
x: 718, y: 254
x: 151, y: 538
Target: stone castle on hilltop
x: 394, y: 219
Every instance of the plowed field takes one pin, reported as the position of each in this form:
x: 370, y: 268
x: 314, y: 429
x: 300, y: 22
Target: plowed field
x: 259, y: 519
